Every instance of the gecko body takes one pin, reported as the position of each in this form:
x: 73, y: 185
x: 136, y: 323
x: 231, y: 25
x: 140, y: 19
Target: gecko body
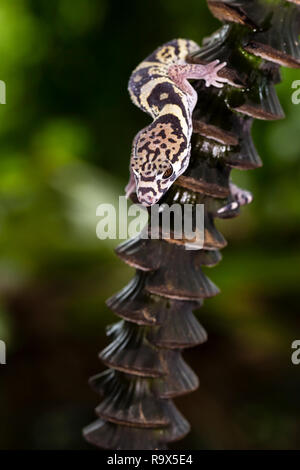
x: 160, y: 87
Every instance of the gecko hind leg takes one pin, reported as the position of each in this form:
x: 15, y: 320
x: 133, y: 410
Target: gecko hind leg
x: 240, y: 196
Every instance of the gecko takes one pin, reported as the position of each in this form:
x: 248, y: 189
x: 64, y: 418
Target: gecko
x: 160, y: 87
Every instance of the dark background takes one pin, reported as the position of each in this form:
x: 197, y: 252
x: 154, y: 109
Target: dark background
x: 65, y: 136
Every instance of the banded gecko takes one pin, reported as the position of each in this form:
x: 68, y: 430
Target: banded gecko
x: 159, y: 86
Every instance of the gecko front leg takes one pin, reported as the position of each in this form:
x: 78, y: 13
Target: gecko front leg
x: 181, y: 73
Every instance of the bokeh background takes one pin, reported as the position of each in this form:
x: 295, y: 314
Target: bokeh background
x: 65, y: 136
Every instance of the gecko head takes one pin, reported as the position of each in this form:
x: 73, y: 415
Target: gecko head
x: 158, y: 159
x: 153, y: 180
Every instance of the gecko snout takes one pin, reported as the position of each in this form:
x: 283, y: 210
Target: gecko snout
x: 147, y: 200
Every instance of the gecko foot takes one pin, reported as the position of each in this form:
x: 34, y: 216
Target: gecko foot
x: 240, y: 197
x: 211, y: 77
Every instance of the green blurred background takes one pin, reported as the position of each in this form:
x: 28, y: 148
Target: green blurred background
x: 65, y: 136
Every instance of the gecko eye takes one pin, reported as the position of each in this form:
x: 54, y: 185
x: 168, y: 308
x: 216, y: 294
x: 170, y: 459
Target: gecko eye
x: 168, y: 173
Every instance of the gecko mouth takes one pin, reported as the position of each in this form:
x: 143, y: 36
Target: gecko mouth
x: 147, y: 196
x: 147, y: 200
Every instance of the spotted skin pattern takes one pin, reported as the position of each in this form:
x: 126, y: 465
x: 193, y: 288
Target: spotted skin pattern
x: 159, y: 86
